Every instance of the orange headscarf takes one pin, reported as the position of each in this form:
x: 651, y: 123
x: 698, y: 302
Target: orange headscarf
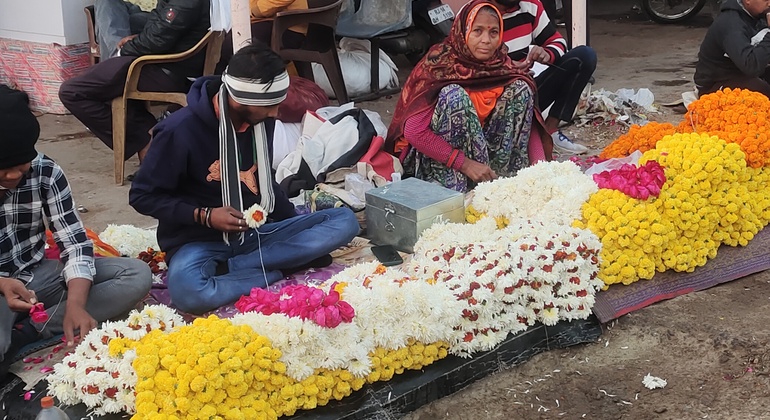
x: 451, y: 62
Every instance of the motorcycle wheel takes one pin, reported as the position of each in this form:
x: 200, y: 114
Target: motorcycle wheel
x: 672, y: 11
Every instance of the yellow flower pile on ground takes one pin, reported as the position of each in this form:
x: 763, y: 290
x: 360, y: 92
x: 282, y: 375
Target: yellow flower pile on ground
x: 710, y: 197
x: 642, y: 138
x: 214, y: 369
x: 386, y: 363
x: 736, y: 116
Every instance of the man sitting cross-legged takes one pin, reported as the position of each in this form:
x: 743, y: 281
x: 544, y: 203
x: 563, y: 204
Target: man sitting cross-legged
x: 77, y: 292
x: 208, y: 163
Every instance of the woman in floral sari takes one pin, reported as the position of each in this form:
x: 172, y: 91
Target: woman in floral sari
x: 466, y: 112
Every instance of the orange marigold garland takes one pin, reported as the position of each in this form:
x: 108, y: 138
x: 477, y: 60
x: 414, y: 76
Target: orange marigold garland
x: 735, y: 116
x: 642, y: 138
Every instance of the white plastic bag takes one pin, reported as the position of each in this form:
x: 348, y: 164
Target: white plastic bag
x: 355, y: 56
x: 285, y: 140
x: 614, y: 163
x: 220, y: 16
x: 643, y: 97
x: 329, y: 112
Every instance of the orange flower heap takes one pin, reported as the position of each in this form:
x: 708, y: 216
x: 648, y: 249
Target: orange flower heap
x: 735, y: 116
x: 642, y: 138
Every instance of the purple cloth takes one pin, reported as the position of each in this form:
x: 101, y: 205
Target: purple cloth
x: 731, y: 263
x: 314, y: 276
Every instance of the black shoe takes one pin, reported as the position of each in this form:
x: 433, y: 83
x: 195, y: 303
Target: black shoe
x: 130, y: 177
x: 320, y: 262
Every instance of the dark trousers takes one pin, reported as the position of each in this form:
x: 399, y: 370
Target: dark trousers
x: 561, y: 84
x: 261, y: 31
x: 755, y: 84
x: 89, y: 98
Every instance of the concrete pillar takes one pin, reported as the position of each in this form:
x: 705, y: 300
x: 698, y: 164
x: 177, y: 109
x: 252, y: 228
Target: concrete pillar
x: 579, y: 23
x: 241, y: 19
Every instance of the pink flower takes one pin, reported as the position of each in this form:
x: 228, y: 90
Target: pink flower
x: 38, y: 313
x: 637, y: 182
x: 301, y: 301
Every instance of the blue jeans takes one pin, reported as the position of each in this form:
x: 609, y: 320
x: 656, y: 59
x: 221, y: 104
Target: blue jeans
x: 115, y: 20
x: 257, y: 262
x: 562, y: 83
x: 119, y: 284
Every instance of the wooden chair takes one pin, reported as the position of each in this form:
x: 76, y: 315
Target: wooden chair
x: 320, y: 44
x: 211, y: 42
x: 93, y: 46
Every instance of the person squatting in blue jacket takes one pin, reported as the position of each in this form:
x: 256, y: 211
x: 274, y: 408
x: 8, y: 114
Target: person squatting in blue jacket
x: 208, y: 163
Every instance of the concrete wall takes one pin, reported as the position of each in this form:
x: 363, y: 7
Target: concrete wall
x: 59, y: 22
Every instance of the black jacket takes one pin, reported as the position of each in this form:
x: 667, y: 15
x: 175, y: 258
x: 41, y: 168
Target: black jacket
x: 737, y: 44
x: 174, y: 26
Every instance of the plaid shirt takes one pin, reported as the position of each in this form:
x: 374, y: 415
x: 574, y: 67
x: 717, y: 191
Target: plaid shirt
x: 42, y: 199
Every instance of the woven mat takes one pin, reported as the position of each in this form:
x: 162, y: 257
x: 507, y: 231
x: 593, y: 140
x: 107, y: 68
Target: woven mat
x: 731, y: 263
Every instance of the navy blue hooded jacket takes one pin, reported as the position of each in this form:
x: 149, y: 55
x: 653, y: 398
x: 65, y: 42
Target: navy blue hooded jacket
x: 178, y: 173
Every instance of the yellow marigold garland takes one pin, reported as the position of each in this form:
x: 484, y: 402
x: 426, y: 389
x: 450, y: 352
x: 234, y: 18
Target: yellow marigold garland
x: 736, y: 116
x: 710, y: 197
x: 642, y: 138
x: 214, y: 369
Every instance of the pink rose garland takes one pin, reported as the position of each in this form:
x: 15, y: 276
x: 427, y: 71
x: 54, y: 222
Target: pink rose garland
x: 305, y: 302
x: 637, y: 182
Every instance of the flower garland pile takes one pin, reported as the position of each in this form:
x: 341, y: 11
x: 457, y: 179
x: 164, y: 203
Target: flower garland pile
x: 302, y: 301
x: 99, y: 373
x: 642, y: 138
x: 549, y: 192
x: 710, y: 197
x: 639, y: 182
x: 391, y: 311
x: 510, y: 278
x: 736, y: 116
x: 129, y: 240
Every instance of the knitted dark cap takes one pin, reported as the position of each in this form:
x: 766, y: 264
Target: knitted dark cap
x: 19, y: 128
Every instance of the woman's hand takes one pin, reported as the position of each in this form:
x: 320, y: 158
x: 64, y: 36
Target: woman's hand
x: 477, y: 172
x: 538, y: 54
x: 227, y: 219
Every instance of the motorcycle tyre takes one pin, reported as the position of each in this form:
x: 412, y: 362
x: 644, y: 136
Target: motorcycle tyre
x: 667, y: 19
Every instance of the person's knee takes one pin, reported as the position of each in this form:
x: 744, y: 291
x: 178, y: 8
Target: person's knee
x: 346, y: 222
x: 135, y: 278
x: 587, y: 56
x: 67, y: 93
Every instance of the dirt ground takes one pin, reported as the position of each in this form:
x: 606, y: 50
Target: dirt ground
x: 711, y: 346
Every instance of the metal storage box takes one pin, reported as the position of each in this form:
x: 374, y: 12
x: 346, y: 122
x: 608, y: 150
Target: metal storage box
x: 397, y: 213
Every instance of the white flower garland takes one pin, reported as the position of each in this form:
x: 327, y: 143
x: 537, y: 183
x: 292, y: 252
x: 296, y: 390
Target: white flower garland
x: 549, y: 192
x: 102, y: 382
x: 511, y: 278
x: 129, y: 240
x: 390, y: 309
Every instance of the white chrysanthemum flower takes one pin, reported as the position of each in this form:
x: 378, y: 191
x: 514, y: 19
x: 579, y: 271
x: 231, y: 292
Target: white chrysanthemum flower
x: 653, y: 382
x: 255, y: 216
x: 127, y: 400
x: 549, y: 316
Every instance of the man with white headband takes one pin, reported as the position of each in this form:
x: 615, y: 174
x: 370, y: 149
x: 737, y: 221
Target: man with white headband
x: 208, y: 163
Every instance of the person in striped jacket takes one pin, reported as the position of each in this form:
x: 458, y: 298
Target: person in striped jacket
x: 531, y: 37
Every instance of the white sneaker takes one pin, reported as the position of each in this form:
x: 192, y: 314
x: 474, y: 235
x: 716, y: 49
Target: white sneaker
x: 564, y: 144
